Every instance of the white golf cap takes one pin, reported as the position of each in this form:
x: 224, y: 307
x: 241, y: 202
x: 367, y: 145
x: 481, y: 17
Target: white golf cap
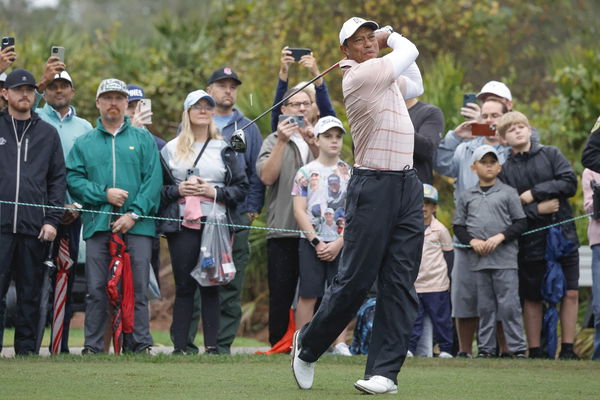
x: 195, y: 96
x: 64, y: 75
x: 111, y: 85
x: 326, y: 123
x: 352, y: 26
x: 496, y: 88
x: 482, y: 151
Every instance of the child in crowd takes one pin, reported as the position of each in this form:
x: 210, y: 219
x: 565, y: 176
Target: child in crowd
x: 591, y: 193
x: 544, y: 180
x: 490, y: 218
x: 432, y: 283
x: 319, y: 196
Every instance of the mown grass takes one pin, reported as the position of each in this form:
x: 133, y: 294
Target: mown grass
x: 269, y: 377
x: 161, y: 338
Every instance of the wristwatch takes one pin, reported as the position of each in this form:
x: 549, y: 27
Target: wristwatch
x: 315, y: 242
x: 133, y: 215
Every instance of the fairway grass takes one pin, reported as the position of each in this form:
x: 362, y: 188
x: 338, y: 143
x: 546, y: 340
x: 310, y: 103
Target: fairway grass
x: 142, y: 377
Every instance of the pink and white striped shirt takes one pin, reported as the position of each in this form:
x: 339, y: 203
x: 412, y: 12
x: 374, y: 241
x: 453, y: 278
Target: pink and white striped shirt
x: 382, y: 131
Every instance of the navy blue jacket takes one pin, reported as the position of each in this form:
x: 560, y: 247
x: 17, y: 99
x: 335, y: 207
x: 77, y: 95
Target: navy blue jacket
x: 546, y: 172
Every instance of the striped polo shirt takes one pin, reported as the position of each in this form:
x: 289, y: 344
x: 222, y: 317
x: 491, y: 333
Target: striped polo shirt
x: 382, y: 131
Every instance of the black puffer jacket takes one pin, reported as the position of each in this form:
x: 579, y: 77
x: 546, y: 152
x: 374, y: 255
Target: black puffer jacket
x: 232, y: 194
x: 30, y: 172
x: 548, y: 174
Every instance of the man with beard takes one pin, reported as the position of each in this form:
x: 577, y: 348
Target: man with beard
x: 59, y: 112
x: 32, y: 169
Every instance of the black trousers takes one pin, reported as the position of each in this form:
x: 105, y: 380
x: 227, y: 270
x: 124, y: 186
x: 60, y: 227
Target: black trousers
x: 283, y: 272
x: 383, y: 238
x: 22, y: 255
x: 184, y: 248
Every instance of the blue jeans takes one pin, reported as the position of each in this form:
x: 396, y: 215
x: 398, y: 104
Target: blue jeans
x: 596, y: 298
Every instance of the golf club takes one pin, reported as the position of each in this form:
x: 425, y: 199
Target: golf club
x: 238, y: 139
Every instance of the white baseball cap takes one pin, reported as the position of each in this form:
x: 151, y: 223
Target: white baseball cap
x: 195, y: 96
x: 352, y: 26
x: 497, y: 88
x: 326, y: 123
x: 64, y: 75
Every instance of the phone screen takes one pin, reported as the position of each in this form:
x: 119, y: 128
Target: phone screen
x: 298, y: 53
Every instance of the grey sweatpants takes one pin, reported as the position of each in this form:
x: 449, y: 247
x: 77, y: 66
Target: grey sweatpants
x: 96, y: 276
x: 498, y: 300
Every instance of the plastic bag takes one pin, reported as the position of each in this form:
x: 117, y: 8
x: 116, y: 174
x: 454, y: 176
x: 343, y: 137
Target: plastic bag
x: 215, y: 262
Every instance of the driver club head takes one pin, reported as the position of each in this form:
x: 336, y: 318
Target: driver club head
x: 238, y: 141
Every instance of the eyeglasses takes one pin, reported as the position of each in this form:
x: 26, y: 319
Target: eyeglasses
x: 198, y: 107
x: 297, y: 104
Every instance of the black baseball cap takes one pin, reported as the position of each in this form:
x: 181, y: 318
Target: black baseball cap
x: 19, y: 77
x: 224, y: 73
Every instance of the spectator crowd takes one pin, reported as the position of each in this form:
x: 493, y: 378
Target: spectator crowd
x: 111, y: 179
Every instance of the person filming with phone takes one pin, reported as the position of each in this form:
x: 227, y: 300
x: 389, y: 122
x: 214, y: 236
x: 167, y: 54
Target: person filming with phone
x: 282, y: 154
x: 454, y: 159
x: 319, y: 96
x: 57, y: 89
x: 200, y: 172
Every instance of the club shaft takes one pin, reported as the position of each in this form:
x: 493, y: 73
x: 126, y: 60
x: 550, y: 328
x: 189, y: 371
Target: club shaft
x: 322, y: 74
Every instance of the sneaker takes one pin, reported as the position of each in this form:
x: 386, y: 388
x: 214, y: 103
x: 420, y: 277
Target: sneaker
x: 445, y: 354
x: 409, y: 354
x: 341, y: 349
x: 88, y: 351
x: 462, y: 354
x: 519, y: 354
x: 304, y: 372
x: 568, y: 355
x: 376, y: 385
x: 536, y: 352
x: 484, y: 354
x: 210, y: 350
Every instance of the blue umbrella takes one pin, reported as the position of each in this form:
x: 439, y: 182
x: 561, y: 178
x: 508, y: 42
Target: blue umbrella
x: 554, y: 284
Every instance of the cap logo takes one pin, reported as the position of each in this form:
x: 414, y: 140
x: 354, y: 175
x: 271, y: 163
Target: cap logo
x: 227, y: 71
x: 24, y: 78
x: 357, y: 20
x: 136, y: 92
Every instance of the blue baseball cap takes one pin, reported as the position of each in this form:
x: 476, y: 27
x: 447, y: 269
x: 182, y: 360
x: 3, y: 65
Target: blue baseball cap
x: 135, y: 92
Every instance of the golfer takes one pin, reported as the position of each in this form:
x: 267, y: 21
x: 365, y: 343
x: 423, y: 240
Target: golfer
x: 384, y: 217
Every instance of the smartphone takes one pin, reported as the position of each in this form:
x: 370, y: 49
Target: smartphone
x: 59, y: 52
x: 483, y: 130
x: 469, y: 98
x: 192, y: 172
x: 7, y: 41
x: 294, y: 119
x: 146, y: 105
x: 298, y: 53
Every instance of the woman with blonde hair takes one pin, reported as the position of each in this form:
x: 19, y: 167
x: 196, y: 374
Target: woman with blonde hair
x: 199, y: 167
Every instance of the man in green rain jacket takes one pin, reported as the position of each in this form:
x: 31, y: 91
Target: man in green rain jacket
x: 115, y: 167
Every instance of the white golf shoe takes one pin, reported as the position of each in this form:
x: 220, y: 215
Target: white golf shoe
x: 304, y: 372
x: 376, y: 385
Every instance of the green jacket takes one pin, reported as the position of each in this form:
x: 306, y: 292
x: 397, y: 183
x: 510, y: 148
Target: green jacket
x: 128, y: 160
